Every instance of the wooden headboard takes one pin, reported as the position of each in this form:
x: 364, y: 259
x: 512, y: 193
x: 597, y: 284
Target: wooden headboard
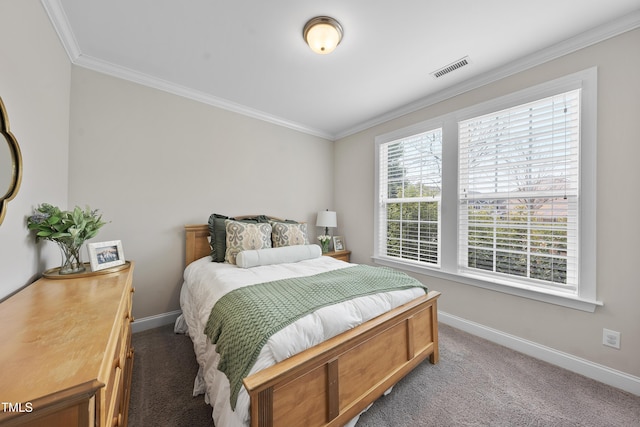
x: 197, y: 242
x: 197, y: 239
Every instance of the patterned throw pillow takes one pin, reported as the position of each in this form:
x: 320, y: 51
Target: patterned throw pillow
x: 245, y: 236
x: 218, y: 233
x: 288, y: 234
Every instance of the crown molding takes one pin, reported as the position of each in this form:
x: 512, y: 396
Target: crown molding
x: 118, y: 71
x: 573, y: 44
x: 58, y: 18
x: 61, y: 25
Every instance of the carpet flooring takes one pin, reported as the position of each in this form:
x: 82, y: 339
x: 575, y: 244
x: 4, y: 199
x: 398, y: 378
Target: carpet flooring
x: 476, y: 383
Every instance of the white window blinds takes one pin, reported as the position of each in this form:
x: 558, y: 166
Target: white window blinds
x: 518, y: 193
x: 410, y: 179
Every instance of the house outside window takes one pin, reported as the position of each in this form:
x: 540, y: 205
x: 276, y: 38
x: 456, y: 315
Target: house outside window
x: 499, y: 195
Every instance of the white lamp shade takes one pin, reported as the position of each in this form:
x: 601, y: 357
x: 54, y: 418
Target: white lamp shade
x: 326, y: 219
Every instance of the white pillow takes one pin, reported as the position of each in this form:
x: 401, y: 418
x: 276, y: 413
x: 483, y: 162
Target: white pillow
x: 284, y: 254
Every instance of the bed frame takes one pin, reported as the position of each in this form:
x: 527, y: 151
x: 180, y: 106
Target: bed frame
x: 329, y: 384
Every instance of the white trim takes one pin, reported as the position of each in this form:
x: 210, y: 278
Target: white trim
x: 196, y: 95
x: 537, y: 294
x: 586, y: 298
x: 567, y: 361
x: 581, y: 41
x: 61, y: 25
x: 155, y: 321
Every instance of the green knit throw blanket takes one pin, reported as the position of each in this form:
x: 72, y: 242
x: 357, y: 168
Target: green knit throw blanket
x: 242, y: 321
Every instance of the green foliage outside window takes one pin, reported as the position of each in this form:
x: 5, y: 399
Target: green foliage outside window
x: 412, y: 227
x: 518, y: 243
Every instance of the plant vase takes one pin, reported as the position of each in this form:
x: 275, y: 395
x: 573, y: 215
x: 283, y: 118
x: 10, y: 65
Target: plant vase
x: 71, y: 259
x: 325, y: 246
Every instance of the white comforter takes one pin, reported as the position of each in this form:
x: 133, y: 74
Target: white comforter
x: 205, y: 282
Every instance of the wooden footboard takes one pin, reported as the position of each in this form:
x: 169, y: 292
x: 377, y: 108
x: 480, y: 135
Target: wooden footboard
x: 331, y: 383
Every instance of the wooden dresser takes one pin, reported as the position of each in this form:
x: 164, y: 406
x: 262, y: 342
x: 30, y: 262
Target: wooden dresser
x: 65, y: 352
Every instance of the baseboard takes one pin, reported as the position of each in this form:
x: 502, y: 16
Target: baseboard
x: 567, y: 361
x: 156, y: 321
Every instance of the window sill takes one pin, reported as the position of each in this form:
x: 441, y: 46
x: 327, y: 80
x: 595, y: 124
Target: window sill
x: 550, y: 297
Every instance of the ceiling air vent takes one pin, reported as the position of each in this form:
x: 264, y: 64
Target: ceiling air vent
x: 451, y: 67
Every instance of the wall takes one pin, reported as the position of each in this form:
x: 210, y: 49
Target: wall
x: 153, y: 162
x: 35, y: 77
x: 566, y: 330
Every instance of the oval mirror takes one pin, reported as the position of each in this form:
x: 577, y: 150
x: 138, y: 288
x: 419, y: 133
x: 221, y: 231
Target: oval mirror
x: 10, y: 163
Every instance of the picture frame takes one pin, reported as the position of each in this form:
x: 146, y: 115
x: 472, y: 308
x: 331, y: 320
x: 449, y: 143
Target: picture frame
x: 105, y: 254
x: 338, y: 244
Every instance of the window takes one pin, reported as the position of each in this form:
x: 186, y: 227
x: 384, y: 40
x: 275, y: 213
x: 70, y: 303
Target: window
x: 516, y: 178
x: 518, y: 192
x: 410, y: 186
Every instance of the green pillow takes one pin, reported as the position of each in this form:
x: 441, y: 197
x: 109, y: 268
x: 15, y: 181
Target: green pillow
x: 218, y: 233
x: 218, y: 236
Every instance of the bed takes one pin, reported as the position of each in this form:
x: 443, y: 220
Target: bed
x: 327, y: 384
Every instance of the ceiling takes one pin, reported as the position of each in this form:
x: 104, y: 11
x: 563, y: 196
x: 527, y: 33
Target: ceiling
x: 249, y: 56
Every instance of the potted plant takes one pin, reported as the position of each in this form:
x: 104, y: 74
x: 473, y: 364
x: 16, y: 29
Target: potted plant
x: 68, y: 229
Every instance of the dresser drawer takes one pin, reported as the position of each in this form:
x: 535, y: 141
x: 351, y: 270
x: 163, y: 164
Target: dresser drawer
x: 113, y: 382
x: 114, y: 415
x: 119, y: 376
x: 82, y: 381
x: 112, y: 405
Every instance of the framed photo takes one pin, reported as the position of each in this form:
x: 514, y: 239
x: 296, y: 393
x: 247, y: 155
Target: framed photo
x: 105, y: 254
x: 338, y: 243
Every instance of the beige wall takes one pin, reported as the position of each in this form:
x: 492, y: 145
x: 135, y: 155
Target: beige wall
x: 34, y: 86
x: 575, y: 332
x: 152, y: 162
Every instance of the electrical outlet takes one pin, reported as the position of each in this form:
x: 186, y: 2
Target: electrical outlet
x: 611, y: 338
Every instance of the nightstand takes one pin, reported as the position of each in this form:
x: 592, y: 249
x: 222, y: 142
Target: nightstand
x: 341, y: 255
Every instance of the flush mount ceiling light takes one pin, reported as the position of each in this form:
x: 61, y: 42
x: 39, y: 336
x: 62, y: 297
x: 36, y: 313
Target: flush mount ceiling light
x: 322, y: 34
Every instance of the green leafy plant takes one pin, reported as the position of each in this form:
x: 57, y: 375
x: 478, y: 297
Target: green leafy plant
x: 69, y: 229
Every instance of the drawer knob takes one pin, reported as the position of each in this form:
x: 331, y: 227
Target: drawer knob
x: 119, y: 362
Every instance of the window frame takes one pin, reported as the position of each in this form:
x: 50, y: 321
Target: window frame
x: 586, y: 297
x: 403, y: 200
